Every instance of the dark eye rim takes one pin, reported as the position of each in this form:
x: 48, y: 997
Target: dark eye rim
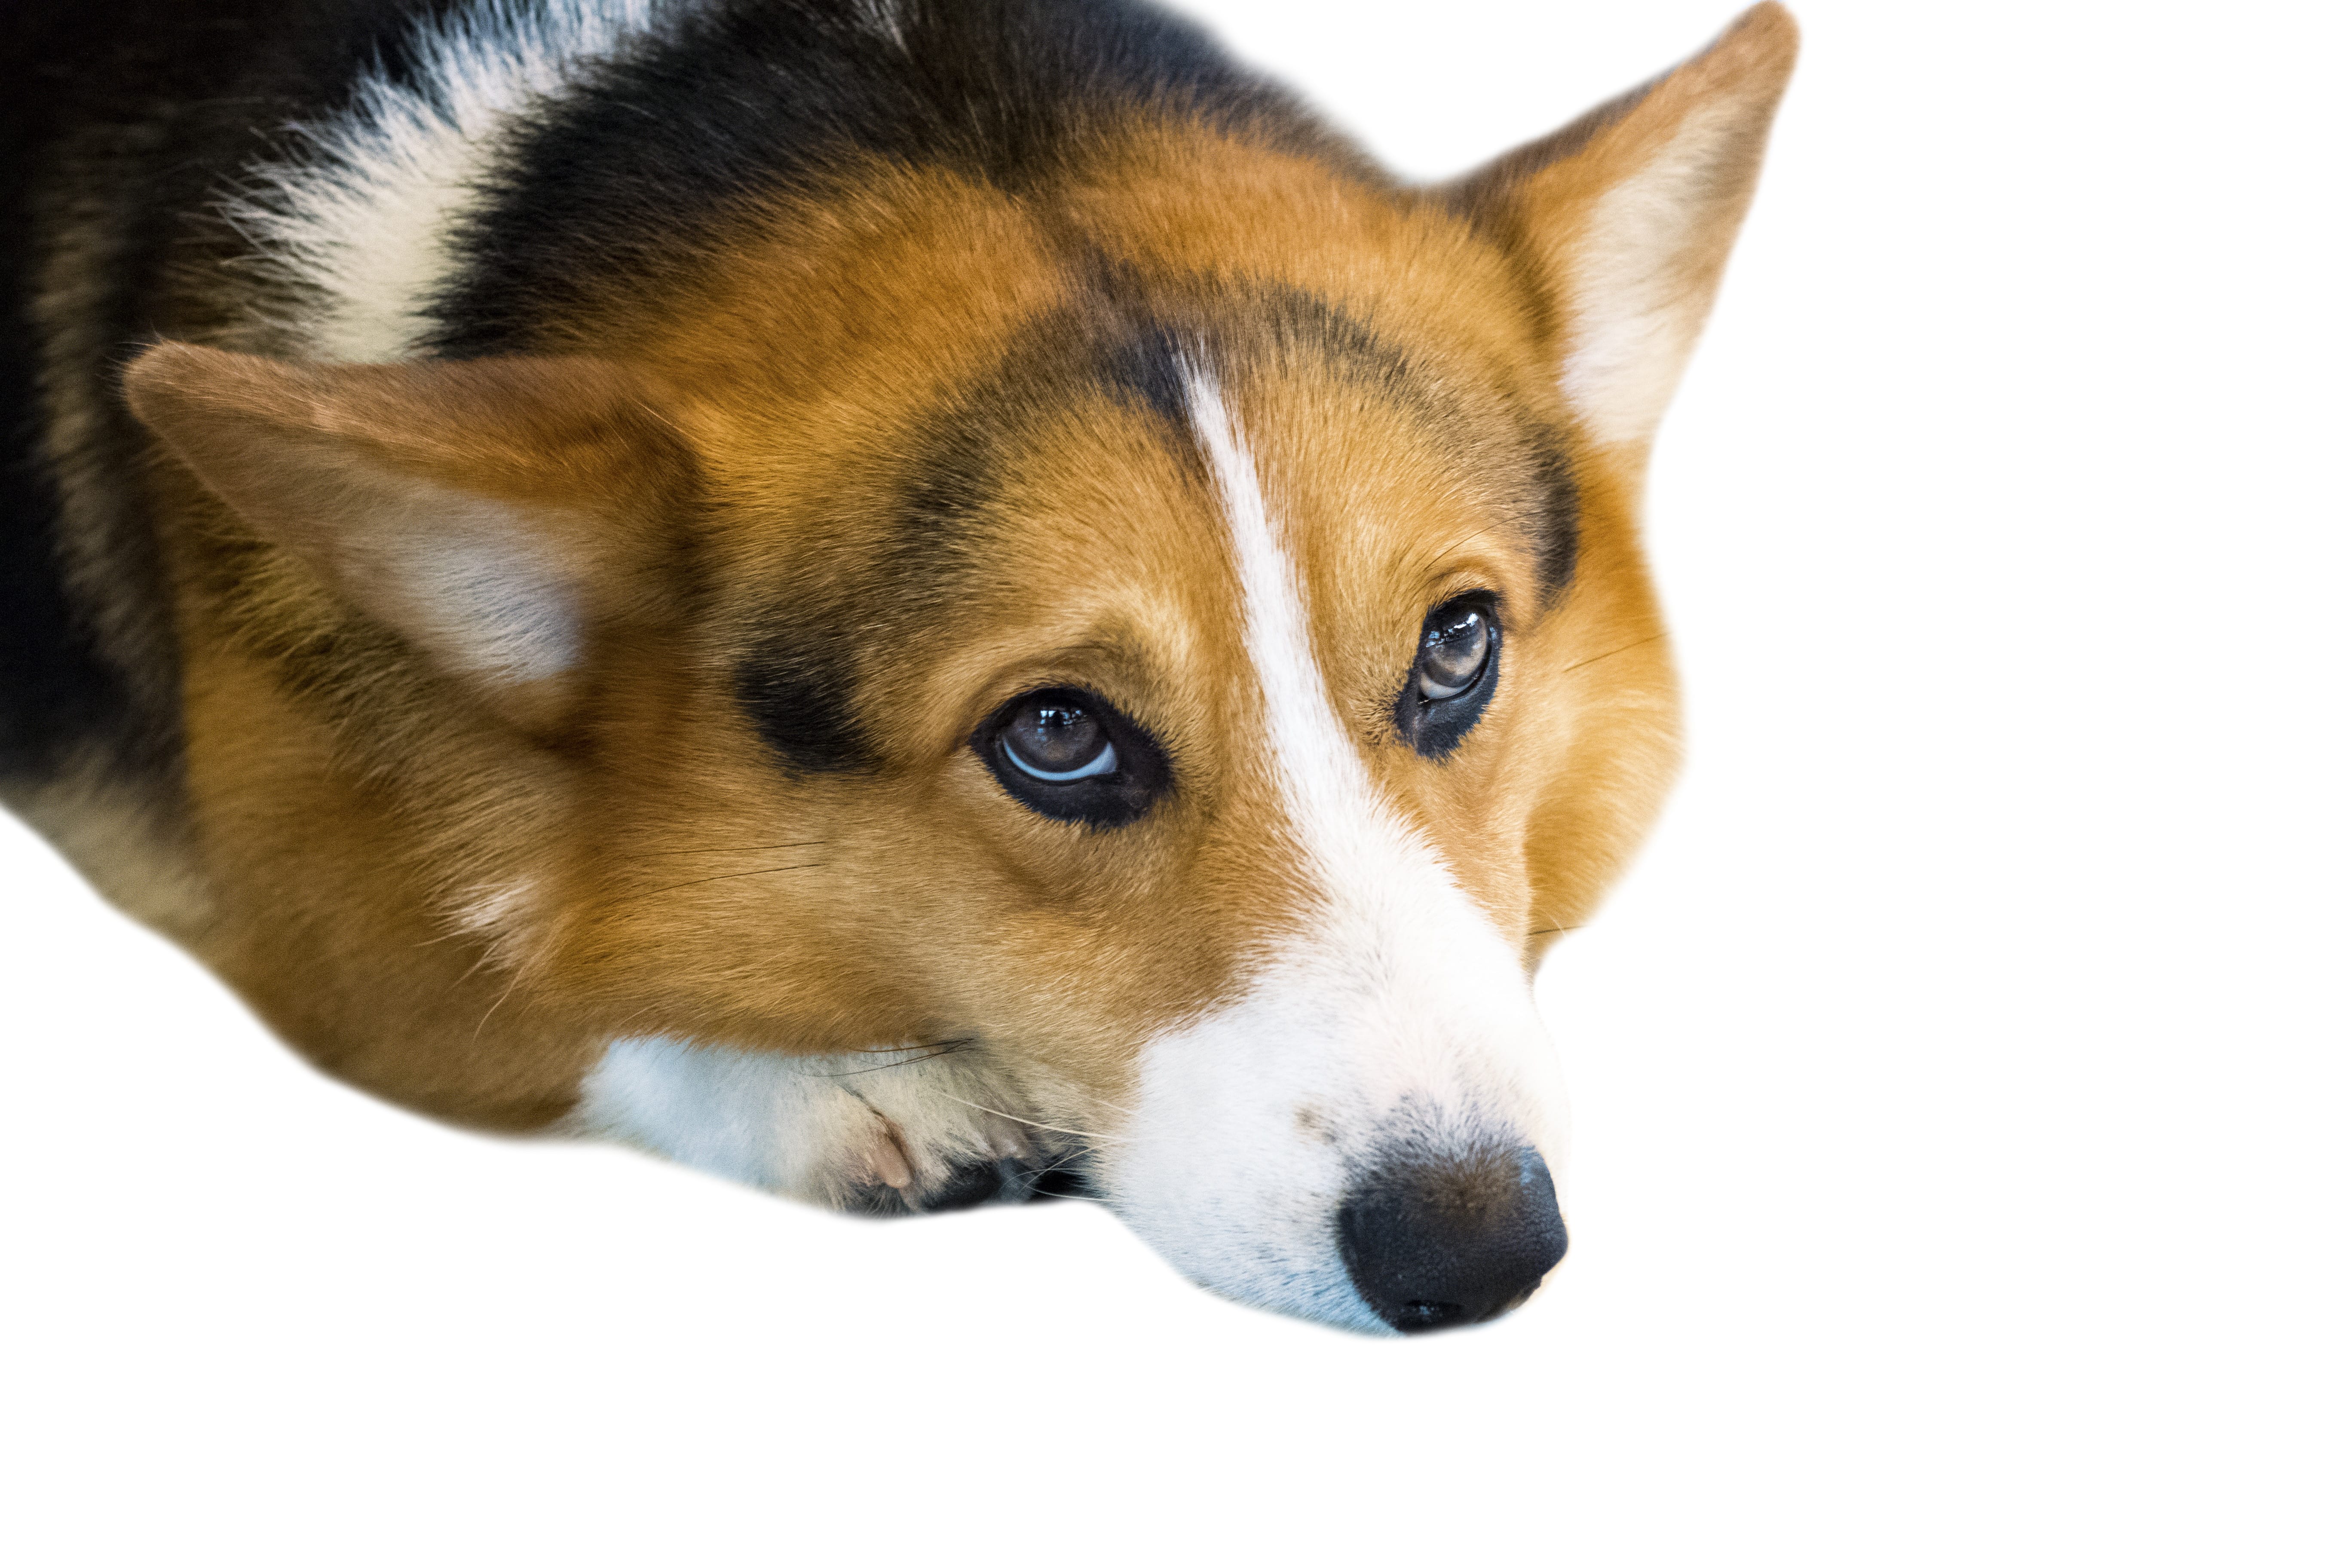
x: 1114, y: 799
x: 1434, y: 726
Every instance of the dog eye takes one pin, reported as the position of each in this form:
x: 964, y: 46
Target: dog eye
x: 1453, y: 645
x: 1054, y: 741
x: 1454, y: 674
x: 1070, y: 756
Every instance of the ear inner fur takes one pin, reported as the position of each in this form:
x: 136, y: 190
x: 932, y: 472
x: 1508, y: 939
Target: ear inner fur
x: 1625, y: 218
x: 489, y: 513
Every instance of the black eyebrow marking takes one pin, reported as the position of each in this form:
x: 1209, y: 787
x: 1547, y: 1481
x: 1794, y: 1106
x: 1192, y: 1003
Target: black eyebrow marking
x: 1558, y: 524
x: 1142, y: 365
x: 798, y: 687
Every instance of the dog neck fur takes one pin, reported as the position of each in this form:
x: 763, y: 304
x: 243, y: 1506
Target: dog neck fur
x: 363, y: 233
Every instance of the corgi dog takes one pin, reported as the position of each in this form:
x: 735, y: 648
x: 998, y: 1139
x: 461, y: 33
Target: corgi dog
x: 912, y: 601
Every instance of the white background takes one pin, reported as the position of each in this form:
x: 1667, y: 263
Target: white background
x: 1959, y: 1079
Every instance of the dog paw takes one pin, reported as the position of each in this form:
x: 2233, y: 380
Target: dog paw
x: 924, y: 1138
x: 903, y: 1131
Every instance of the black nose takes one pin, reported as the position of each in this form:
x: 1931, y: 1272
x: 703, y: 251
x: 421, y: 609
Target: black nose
x: 1433, y: 1243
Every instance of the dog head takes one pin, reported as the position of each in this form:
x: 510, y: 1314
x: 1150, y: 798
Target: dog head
x: 1178, y: 629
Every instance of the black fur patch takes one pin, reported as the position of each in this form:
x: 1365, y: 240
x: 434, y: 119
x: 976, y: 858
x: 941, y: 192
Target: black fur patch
x: 121, y: 123
x: 54, y: 689
x: 1558, y: 509
x: 1144, y: 365
x: 801, y: 692
x: 749, y: 97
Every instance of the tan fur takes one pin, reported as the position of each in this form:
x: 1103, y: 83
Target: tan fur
x: 453, y: 891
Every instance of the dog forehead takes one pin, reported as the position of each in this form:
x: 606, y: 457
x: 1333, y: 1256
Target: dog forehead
x: 942, y: 410
x: 1057, y: 504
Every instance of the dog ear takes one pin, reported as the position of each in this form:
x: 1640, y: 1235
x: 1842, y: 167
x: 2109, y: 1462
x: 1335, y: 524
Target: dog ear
x: 1626, y: 217
x: 490, y: 511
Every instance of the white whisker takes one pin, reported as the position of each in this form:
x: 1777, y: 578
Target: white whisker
x: 1046, y: 1126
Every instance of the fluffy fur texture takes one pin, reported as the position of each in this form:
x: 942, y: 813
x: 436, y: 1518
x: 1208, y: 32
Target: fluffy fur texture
x: 363, y: 224
x: 544, y: 623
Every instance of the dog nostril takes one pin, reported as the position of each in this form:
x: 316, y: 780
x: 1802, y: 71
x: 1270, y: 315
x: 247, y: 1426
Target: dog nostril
x: 1435, y: 1243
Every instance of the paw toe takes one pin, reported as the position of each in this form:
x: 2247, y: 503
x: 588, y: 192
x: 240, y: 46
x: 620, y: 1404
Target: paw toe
x: 965, y: 1183
x: 972, y: 1183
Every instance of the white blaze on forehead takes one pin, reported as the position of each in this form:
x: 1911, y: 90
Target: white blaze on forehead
x: 1323, y: 781
x: 1372, y: 868
x: 1395, y: 1008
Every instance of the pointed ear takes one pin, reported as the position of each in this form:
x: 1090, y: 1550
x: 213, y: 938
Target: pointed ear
x: 492, y: 511
x: 1626, y: 217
